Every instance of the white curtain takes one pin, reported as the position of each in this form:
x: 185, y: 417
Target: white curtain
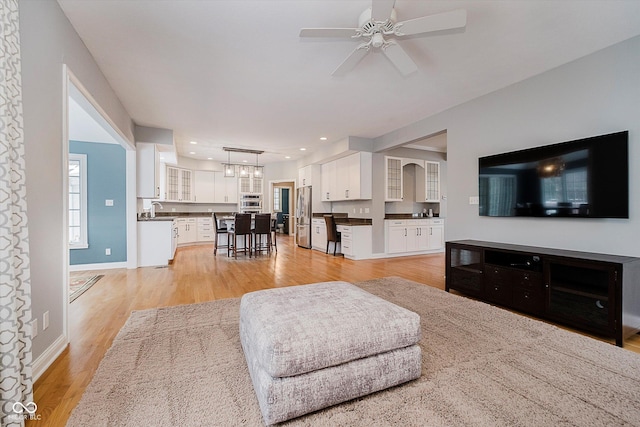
x: 16, y: 384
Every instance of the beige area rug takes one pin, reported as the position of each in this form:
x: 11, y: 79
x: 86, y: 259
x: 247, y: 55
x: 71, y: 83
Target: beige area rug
x: 482, y: 366
x: 79, y: 285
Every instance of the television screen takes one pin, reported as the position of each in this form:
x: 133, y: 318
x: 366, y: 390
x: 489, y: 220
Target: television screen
x: 586, y: 178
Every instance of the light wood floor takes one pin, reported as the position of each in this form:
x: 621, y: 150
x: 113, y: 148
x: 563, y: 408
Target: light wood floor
x: 197, y: 276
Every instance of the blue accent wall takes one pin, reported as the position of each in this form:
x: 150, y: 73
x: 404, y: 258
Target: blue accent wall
x: 106, y: 225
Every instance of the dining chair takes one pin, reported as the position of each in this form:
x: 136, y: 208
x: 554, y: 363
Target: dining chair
x: 262, y: 228
x: 274, y: 232
x: 219, y: 230
x: 241, y: 228
x: 332, y: 233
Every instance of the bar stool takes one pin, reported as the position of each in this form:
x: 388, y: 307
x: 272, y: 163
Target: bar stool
x: 241, y: 228
x: 262, y: 228
x: 219, y: 230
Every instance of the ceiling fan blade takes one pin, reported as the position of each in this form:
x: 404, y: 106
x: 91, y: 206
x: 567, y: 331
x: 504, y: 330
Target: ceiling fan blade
x: 400, y: 59
x: 381, y: 9
x: 328, y: 32
x: 438, y: 22
x: 351, y: 61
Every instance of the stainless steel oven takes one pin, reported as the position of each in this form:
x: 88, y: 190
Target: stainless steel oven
x: 250, y: 203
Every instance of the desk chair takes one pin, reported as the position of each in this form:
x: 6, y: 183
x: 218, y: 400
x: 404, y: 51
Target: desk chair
x: 219, y: 230
x: 332, y: 233
x: 262, y: 228
x: 241, y: 228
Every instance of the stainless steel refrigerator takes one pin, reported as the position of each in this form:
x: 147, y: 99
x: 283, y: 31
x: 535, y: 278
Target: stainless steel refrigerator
x: 303, y: 217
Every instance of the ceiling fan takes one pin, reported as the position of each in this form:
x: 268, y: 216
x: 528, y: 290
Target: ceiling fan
x: 378, y: 27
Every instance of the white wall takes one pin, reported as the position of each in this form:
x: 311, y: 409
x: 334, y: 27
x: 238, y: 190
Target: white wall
x: 594, y: 95
x: 47, y: 41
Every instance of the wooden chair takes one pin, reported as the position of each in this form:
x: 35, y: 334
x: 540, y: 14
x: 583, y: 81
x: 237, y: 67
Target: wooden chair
x: 219, y: 230
x: 241, y: 228
x: 262, y: 228
x: 274, y: 232
x: 332, y: 233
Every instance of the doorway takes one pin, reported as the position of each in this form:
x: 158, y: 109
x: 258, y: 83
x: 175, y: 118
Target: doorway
x: 88, y: 135
x: 282, y: 200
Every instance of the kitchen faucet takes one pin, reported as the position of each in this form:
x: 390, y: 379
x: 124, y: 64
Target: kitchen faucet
x: 153, y: 208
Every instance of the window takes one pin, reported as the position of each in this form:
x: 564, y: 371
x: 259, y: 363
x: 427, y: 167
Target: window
x: 570, y: 187
x: 78, y: 201
x: 277, y: 203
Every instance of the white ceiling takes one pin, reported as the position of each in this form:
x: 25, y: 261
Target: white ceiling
x: 236, y: 73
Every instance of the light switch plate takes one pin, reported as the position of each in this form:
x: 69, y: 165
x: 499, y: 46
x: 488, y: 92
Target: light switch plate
x: 474, y: 200
x: 108, y: 202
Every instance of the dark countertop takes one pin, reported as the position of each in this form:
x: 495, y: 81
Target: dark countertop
x: 343, y: 218
x: 170, y: 216
x: 354, y: 221
x: 409, y: 216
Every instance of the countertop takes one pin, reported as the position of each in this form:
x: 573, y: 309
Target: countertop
x: 170, y: 216
x: 409, y: 216
x: 344, y: 219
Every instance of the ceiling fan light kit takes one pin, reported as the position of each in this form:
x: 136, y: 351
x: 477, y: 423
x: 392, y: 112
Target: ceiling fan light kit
x: 379, y: 21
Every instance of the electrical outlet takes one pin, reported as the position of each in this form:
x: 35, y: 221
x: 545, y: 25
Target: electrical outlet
x: 360, y: 210
x: 108, y: 202
x: 173, y: 209
x: 366, y: 210
x: 354, y: 210
x: 45, y: 320
x: 34, y: 328
x: 474, y: 200
x: 107, y: 251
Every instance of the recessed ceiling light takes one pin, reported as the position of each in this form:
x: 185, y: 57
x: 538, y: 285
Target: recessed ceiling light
x: 303, y: 149
x: 323, y: 138
x: 209, y: 158
x: 287, y: 157
x: 244, y: 161
x: 194, y: 142
x: 192, y: 152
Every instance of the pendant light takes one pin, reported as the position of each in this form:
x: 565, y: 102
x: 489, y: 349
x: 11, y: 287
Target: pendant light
x: 229, y: 169
x: 258, y: 170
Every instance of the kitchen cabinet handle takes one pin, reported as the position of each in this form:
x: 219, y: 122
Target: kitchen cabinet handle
x: 405, y: 232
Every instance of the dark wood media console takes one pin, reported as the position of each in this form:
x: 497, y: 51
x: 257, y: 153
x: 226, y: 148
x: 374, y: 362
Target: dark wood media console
x: 596, y: 293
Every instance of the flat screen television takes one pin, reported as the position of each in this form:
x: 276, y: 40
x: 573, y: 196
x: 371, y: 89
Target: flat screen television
x: 586, y: 178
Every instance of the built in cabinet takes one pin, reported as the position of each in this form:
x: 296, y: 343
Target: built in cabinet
x: 214, y: 187
x: 250, y: 184
x: 148, y: 171
x: 177, y: 185
x: 356, y: 241
x: 348, y: 178
x: 414, y: 235
x: 393, y: 179
x: 319, y: 234
x: 596, y: 293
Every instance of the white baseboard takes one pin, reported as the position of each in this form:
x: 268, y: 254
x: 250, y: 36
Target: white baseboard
x: 98, y: 266
x: 42, y: 363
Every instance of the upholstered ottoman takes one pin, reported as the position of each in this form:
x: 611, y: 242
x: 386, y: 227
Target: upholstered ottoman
x: 312, y: 346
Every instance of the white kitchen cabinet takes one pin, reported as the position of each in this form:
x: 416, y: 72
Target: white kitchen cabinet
x: 250, y: 184
x: 214, y: 187
x: 155, y: 243
x: 319, y: 234
x: 305, y: 176
x: 428, y: 187
x: 328, y: 181
x: 148, y: 171
x: 204, y: 186
x: 356, y: 241
x: 414, y: 235
x: 178, y: 185
x: 348, y: 179
x: 436, y: 234
x: 187, y: 230
x: 393, y: 179
x: 226, y: 188
x: 205, y: 230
